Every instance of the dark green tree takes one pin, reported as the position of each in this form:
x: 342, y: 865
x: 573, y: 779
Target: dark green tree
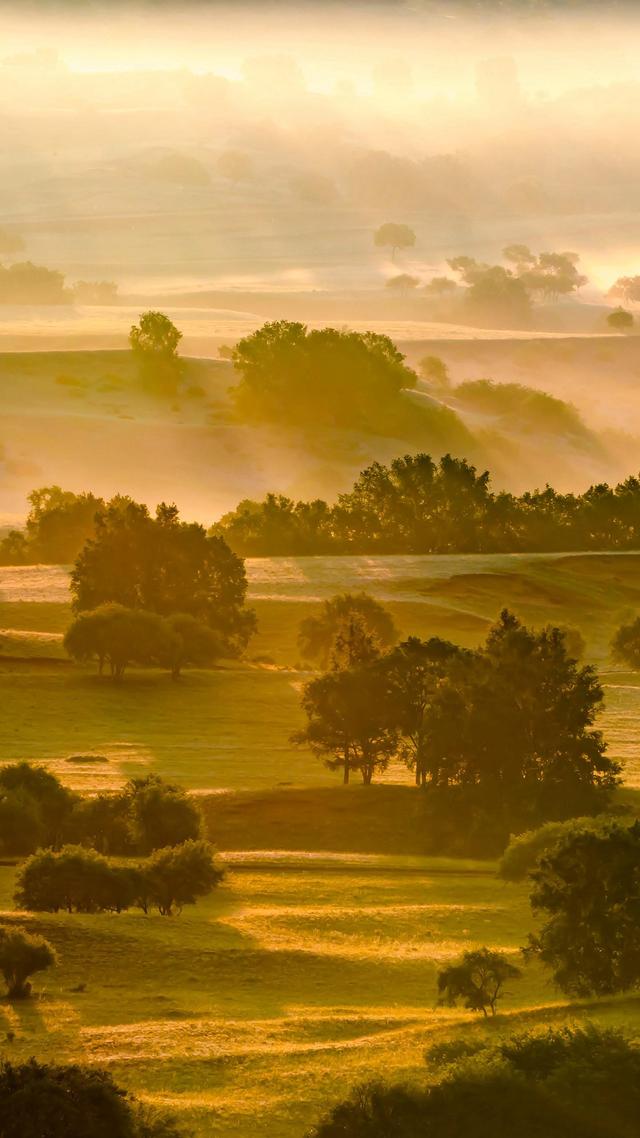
x: 160, y: 814
x: 47, y: 1101
x: 164, y: 566
x: 587, y: 889
x: 120, y: 636
x: 478, y: 980
x: 178, y: 875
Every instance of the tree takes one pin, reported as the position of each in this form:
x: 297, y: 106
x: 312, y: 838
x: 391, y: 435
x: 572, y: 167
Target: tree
x: 403, y: 283
x: 38, y: 1100
x: 625, y: 646
x: 323, y: 376
x: 154, y: 343
x: 515, y: 720
x: 621, y: 320
x: 439, y: 287
x: 588, y: 889
x: 95, y: 292
x: 164, y: 566
x: 58, y: 524
x: 627, y: 288
x: 21, y: 955
x: 26, y: 283
x: 395, y: 236
x: 42, y: 795
x: 77, y: 880
x: 317, y: 635
x: 160, y: 814
x: 525, y: 850
x: 414, y: 670
x: 355, y: 644
x: 192, y: 642
x: 349, y: 724
x: 435, y: 372
x: 119, y: 636
x: 478, y: 979
x: 178, y: 875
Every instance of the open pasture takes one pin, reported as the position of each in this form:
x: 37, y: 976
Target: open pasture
x: 229, y: 728
x: 255, y: 1010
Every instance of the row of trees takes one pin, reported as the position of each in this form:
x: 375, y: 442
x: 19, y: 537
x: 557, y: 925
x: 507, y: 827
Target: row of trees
x: 36, y: 811
x: 510, y: 723
x: 418, y: 505
x: 26, y: 283
x: 81, y: 880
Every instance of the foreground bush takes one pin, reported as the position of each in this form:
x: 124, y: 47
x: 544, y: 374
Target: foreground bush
x: 557, y: 1084
x: 21, y: 955
x: 40, y: 1100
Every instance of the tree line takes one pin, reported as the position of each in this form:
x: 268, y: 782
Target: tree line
x: 419, y: 505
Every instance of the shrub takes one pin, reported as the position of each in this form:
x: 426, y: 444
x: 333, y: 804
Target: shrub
x: 161, y: 814
x: 75, y: 879
x: 178, y: 875
x: 524, y: 850
x: 40, y: 1100
x: 20, y: 956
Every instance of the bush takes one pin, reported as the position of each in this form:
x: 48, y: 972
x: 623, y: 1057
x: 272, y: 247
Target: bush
x: 178, y: 875
x: 20, y: 956
x: 33, y: 798
x: 75, y: 879
x: 40, y: 1100
x: 523, y: 852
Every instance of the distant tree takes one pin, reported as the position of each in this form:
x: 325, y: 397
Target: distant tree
x: 625, y: 646
x: 235, y: 165
x: 46, y: 1101
x: 621, y: 320
x: 496, y: 296
x: 588, y: 889
x: 160, y: 814
x: 478, y: 979
x: 26, y: 283
x: 58, y: 524
x: 520, y: 256
x: 314, y: 188
x: 21, y: 955
x: 164, y: 566
x: 119, y: 636
x: 154, y: 343
x: 413, y: 671
x: 41, y: 794
x: 440, y: 287
x: 355, y: 644
x: 326, y: 375
x: 14, y: 549
x: 21, y: 824
x: 395, y: 236
x: 177, y: 876
x: 435, y: 372
x: 403, y: 283
x: 318, y: 634
x: 348, y: 722
x: 95, y: 292
x: 627, y: 288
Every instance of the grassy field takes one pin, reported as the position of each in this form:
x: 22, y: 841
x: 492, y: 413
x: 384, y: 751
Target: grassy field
x: 255, y: 1010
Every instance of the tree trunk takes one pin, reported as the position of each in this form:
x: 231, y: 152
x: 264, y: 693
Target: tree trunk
x: 347, y: 768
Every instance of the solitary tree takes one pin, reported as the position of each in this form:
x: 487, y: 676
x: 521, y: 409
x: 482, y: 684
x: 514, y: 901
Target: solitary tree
x: 621, y: 320
x: 154, y: 343
x: 178, y: 875
x: 403, y: 283
x: 21, y: 955
x: 394, y: 235
x: 478, y: 980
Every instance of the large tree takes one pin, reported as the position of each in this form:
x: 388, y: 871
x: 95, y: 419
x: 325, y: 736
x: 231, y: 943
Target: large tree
x: 164, y: 566
x: 516, y: 720
x: 324, y: 377
x: 317, y: 635
x: 587, y: 888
